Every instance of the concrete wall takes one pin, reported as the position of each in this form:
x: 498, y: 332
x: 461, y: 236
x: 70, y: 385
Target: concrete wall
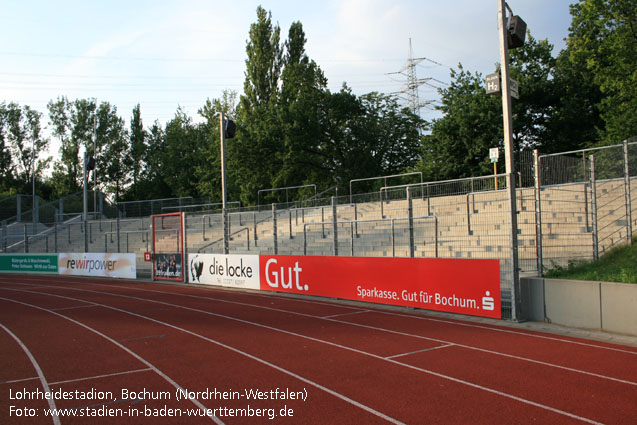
x: 607, y: 306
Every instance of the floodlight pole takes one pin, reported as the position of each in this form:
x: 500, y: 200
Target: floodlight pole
x: 95, y: 169
x: 224, y: 212
x: 33, y: 215
x: 85, y: 213
x: 508, y: 152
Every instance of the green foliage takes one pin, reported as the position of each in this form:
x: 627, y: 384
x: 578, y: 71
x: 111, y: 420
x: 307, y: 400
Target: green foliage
x: 72, y: 124
x: 208, y: 173
x: 603, y: 40
x: 259, y: 141
x: 114, y: 164
x: 617, y: 265
x: 22, y: 144
x: 291, y: 130
x: 459, y: 143
x: 136, y: 147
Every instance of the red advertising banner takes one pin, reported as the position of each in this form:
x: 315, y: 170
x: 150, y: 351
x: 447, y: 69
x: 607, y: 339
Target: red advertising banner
x: 462, y: 286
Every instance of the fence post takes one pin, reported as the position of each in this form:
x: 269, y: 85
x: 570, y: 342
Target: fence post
x: 254, y: 227
x: 629, y: 218
x: 594, y: 209
x: 18, y: 208
x: 55, y: 236
x: 290, y: 222
x: 226, y: 222
x: 323, y: 222
x: 4, y: 235
x: 436, y: 234
x: 410, y: 214
x: 26, y: 239
x: 304, y: 239
x: 335, y: 225
x: 274, y: 230
x: 393, y: 240
x: 117, y: 225
x: 382, y: 208
x: 356, y: 220
x: 469, y: 232
x: 351, y: 234
x: 36, y: 210
x: 538, y: 213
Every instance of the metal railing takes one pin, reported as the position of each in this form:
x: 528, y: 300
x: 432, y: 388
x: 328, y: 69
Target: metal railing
x: 582, y: 204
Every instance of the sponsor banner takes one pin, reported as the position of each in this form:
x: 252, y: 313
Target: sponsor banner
x: 29, y: 263
x: 452, y: 285
x: 235, y: 271
x: 168, y: 267
x: 116, y: 265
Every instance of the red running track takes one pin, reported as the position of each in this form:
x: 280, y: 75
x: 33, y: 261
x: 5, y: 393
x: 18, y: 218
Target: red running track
x: 122, y: 352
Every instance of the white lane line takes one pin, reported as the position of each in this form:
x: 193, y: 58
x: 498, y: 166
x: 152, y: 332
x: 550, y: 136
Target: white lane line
x: 19, y: 380
x: 72, y: 308
x: 139, y: 338
x: 228, y: 347
x: 38, y: 370
x: 375, y: 328
x: 509, y: 331
x: 419, y: 351
x: 449, y: 322
x: 427, y: 371
x: 88, y: 378
x: 132, y: 353
x: 343, y: 314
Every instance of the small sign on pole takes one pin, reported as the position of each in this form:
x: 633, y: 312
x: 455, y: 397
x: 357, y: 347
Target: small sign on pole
x: 492, y: 83
x: 494, y: 154
x: 513, y: 87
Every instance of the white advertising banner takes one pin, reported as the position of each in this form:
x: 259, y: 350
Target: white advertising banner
x: 116, y: 265
x: 234, y: 271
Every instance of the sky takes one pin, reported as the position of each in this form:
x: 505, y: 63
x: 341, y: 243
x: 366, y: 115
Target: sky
x: 165, y: 54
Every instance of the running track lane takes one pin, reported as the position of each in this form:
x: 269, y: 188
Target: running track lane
x: 283, y: 318
x: 533, y: 371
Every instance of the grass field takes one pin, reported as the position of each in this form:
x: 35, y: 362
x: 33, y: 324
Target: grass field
x: 617, y: 265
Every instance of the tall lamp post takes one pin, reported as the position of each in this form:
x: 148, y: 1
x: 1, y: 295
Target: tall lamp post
x: 227, y: 129
x: 511, y: 36
x: 33, y: 168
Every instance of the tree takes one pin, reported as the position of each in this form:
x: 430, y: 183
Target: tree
x: 533, y: 67
x: 576, y: 120
x: 152, y: 185
x: 459, y: 142
x: 6, y: 160
x: 603, y: 39
x: 259, y: 140
x: 137, y: 147
x: 303, y: 87
x: 22, y: 133
x: 114, y: 165
x: 182, y: 154
x: 72, y: 123
x: 209, y: 171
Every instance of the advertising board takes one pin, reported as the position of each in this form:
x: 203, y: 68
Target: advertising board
x: 29, y: 263
x: 235, y: 271
x: 463, y: 286
x: 115, y: 265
